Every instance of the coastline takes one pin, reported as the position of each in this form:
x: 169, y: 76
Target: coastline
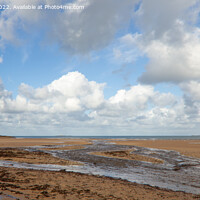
x: 26, y: 183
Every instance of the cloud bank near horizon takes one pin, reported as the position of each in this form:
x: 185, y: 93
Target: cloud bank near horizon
x: 74, y: 101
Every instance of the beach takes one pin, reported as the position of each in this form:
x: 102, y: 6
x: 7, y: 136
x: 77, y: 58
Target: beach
x: 186, y: 147
x: 20, y: 183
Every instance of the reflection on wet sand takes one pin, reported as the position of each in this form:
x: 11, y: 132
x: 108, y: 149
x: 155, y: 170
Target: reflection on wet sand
x: 127, y: 154
x: 32, y: 157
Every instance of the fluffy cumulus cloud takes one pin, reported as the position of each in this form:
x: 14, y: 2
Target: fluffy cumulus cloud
x: 169, y: 37
x: 140, y: 105
x: 74, y: 102
x: 71, y: 93
x: 170, y: 40
x: 62, y: 103
x: 173, y: 62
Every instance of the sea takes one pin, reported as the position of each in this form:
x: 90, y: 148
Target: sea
x: 193, y: 137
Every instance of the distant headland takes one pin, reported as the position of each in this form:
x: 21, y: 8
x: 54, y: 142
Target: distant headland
x: 4, y: 136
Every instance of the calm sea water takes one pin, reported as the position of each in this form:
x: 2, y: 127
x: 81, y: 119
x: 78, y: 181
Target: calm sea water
x: 197, y: 137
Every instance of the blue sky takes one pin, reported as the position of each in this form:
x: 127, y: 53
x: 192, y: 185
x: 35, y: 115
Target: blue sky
x: 113, y: 68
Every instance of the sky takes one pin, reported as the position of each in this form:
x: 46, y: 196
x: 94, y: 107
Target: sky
x: 128, y: 67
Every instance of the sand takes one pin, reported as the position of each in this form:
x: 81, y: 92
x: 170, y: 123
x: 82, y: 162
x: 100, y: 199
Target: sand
x: 64, y: 148
x: 36, y: 184
x: 23, y: 156
x: 24, y: 142
x: 32, y: 184
x: 186, y: 147
x: 127, y: 154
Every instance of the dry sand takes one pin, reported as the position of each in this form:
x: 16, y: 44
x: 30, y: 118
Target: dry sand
x: 24, y: 142
x: 33, y: 184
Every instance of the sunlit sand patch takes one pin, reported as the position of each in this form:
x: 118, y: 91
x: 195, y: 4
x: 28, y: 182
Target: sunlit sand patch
x: 127, y: 154
x: 36, y: 157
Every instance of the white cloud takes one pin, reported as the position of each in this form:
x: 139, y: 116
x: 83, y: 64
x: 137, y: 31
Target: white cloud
x: 1, y: 59
x: 170, y: 40
x: 90, y: 29
x: 164, y: 99
x: 171, y: 62
x: 192, y: 99
x: 192, y: 89
x: 136, y: 98
x: 132, y: 103
x: 155, y: 17
x: 71, y: 92
x: 168, y: 62
x: 11, y: 21
x: 168, y: 37
x: 4, y: 93
x: 74, y: 103
x: 126, y: 50
x: 77, y: 32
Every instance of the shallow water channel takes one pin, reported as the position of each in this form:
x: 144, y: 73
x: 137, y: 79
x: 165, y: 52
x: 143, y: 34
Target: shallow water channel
x: 178, y: 172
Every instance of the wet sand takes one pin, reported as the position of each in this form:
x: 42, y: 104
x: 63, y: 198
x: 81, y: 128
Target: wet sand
x: 38, y: 184
x: 32, y: 157
x: 127, y: 154
x: 31, y: 184
x: 185, y: 147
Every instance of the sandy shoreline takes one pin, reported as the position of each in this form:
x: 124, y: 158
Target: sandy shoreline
x: 23, y: 142
x: 32, y: 184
